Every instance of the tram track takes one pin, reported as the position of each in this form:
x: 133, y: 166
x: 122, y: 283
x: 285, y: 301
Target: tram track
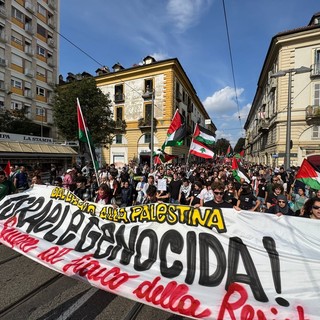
x: 29, y: 295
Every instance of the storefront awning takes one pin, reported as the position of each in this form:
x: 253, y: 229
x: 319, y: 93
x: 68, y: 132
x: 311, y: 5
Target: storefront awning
x: 34, y: 149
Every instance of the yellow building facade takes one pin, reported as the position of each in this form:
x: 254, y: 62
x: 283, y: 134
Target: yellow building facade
x: 132, y: 109
x: 287, y: 97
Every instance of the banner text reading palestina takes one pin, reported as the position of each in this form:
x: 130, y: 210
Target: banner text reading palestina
x: 160, y: 213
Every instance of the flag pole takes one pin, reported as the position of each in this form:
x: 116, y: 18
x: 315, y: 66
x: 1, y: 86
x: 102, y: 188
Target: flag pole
x: 194, y: 130
x: 89, y: 144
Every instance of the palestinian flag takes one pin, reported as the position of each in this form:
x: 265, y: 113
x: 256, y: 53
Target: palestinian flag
x: 309, y: 175
x: 200, y: 150
x: 162, y: 157
x: 239, y: 155
x: 176, y: 132
x: 84, y: 135
x: 238, y: 172
x: 203, y: 135
x: 229, y: 153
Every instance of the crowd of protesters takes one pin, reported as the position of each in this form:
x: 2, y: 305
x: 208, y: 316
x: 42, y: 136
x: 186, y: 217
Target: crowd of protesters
x: 271, y: 190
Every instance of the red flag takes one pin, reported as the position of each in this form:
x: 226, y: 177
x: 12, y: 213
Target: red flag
x: 7, y: 169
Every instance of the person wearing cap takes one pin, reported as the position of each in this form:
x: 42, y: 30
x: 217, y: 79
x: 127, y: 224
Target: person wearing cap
x: 247, y: 201
x: 281, y: 207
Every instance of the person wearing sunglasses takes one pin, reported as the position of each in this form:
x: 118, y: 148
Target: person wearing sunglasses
x: 218, y: 201
x: 281, y: 207
x: 311, y: 209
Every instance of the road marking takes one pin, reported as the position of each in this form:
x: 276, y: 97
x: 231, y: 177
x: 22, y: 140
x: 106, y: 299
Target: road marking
x: 73, y: 308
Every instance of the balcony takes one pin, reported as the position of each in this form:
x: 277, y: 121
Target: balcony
x: 51, y: 43
x: 29, y: 6
x: 263, y: 126
x: 120, y: 125
x: 315, y: 72
x: 3, y: 37
x: 52, y: 4
x: 119, y: 97
x: 3, y: 12
x: 29, y: 51
x: 29, y: 29
x: 3, y: 62
x: 29, y: 73
x: 145, y: 123
x: 313, y: 115
x: 28, y: 94
x: 272, y: 84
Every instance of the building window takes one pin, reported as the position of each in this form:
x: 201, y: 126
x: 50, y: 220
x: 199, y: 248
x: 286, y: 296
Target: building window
x: 119, y: 113
x: 41, y: 71
x: 41, y: 51
x: 118, y: 139
x: 316, y: 132
x: 40, y: 111
x: 316, y: 97
x: 147, y: 138
x: 42, y: 10
x: 16, y: 105
x: 147, y: 111
x: 118, y: 93
x: 17, y: 14
x: 16, y: 37
x: 148, y: 85
x: 2, y: 104
x: 41, y: 30
x: 16, y: 83
x: 41, y: 91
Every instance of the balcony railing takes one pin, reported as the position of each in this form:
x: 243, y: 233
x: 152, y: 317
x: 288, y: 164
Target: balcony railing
x: 146, y: 122
x: 119, y: 97
x: 121, y: 125
x: 315, y: 72
x: 263, y: 125
x: 313, y: 115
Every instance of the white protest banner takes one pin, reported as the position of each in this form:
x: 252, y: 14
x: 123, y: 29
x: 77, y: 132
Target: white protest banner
x: 200, y: 263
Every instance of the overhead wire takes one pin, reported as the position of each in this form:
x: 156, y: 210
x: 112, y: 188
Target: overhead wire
x: 231, y: 61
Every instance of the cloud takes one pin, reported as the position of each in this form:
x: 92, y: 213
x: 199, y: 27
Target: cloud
x: 186, y: 13
x: 223, y: 100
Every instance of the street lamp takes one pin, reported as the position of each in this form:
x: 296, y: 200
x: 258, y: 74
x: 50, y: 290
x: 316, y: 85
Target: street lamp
x: 147, y: 95
x: 282, y: 73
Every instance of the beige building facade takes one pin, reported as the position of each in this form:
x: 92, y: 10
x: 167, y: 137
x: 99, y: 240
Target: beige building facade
x: 29, y: 47
x: 290, y: 78
x: 132, y: 109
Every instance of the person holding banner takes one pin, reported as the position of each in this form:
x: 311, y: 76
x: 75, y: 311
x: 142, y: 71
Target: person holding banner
x: 282, y: 207
x: 217, y: 202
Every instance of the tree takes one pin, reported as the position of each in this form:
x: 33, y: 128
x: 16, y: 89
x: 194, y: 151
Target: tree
x: 96, y: 109
x: 15, y: 121
x: 221, y: 146
x: 239, y: 146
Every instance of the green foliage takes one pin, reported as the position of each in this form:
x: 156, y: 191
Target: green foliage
x: 15, y: 121
x: 240, y: 145
x: 96, y: 109
x: 221, y: 146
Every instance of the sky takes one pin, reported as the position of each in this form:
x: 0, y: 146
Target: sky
x: 104, y: 32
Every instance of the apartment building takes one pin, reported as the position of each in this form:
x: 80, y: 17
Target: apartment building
x: 29, y: 47
x: 283, y: 125
x: 132, y: 108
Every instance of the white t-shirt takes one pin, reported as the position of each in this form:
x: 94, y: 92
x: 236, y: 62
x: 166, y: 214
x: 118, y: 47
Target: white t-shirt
x: 206, y: 195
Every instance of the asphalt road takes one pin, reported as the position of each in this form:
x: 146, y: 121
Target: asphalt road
x: 29, y: 290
